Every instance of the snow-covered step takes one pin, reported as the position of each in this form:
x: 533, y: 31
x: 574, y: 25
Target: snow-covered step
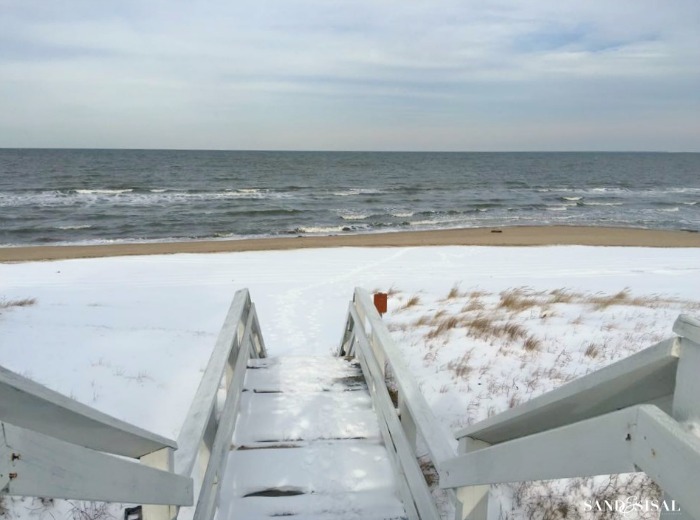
x: 303, y: 374
x: 338, y: 479
x: 307, y: 445
x: 308, y: 416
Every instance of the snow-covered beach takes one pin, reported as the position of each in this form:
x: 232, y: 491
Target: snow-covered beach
x: 132, y: 335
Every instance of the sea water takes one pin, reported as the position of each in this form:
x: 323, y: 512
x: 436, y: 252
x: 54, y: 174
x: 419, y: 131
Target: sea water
x: 98, y: 196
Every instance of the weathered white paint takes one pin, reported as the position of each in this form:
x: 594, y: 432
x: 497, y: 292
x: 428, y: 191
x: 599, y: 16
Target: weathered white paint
x: 595, y: 446
x: 209, y: 493
x: 644, y: 377
x: 437, y: 440
x: 416, y: 495
x: 30, y: 405
x: 162, y: 460
x: 47, y: 467
x: 670, y: 455
x: 200, y: 412
x: 471, y: 503
x: 686, y: 399
x: 687, y: 327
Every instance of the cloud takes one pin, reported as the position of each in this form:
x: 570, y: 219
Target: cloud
x: 341, y: 74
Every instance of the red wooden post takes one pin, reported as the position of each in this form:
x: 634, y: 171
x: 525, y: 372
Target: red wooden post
x: 380, y: 302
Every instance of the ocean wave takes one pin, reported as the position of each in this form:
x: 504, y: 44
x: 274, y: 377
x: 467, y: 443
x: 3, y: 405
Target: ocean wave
x: 401, y: 214
x: 563, y: 207
x: 325, y: 230
x: 353, y: 215
x: 592, y: 203
x: 103, y: 191
x: 350, y: 192
x: 669, y: 210
x: 77, y: 226
x: 79, y: 197
x: 572, y: 199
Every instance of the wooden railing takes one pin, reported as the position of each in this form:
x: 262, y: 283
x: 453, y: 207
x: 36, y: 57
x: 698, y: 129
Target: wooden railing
x: 53, y: 446
x: 639, y: 414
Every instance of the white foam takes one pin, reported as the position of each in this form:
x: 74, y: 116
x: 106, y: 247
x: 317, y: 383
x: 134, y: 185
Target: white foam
x: 356, y: 191
x: 84, y: 226
x: 352, y: 215
x: 103, y: 191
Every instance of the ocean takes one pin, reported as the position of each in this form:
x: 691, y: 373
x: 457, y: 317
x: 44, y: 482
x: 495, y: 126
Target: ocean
x: 56, y: 196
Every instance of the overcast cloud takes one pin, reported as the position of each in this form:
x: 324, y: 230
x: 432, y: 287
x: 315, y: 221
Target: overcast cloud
x: 351, y: 75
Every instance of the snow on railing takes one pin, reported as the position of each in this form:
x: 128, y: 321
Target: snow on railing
x: 53, y: 446
x: 205, y: 437
x: 639, y: 414
x: 367, y: 338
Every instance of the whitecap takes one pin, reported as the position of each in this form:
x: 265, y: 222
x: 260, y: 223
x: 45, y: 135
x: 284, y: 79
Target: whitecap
x: 84, y: 226
x: 356, y: 191
x: 102, y: 191
x: 353, y: 216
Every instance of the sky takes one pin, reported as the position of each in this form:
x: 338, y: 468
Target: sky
x: 448, y: 75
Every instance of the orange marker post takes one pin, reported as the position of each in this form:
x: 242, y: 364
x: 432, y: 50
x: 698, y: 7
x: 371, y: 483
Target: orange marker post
x: 380, y: 300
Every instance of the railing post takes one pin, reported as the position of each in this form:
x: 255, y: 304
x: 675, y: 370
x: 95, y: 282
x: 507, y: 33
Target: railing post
x: 162, y: 459
x: 407, y: 422
x: 471, y: 503
x: 686, y: 396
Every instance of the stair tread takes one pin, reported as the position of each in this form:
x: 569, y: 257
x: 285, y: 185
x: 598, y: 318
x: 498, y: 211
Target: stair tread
x: 307, y: 444
x: 305, y: 417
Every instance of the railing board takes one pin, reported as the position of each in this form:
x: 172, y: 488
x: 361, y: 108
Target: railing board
x: 436, y: 438
x: 202, y: 405
x: 648, y: 376
x: 395, y: 439
x: 670, y: 455
x: 30, y: 405
x: 688, y: 327
x: 209, y: 492
x: 595, y: 446
x: 48, y: 467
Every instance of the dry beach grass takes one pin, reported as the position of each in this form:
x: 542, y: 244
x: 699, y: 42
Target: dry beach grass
x: 477, y: 353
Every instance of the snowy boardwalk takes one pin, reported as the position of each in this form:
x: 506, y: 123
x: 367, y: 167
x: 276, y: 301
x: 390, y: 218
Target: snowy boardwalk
x: 307, y: 444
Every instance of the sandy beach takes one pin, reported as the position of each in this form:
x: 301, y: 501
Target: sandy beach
x: 507, y: 236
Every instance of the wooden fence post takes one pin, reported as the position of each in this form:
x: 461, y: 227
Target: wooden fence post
x: 686, y: 396
x: 164, y: 460
x: 471, y: 503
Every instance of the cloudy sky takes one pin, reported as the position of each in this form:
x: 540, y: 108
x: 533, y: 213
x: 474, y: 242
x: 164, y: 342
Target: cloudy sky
x: 351, y: 75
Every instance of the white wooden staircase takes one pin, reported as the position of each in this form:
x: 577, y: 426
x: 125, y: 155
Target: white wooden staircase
x: 307, y: 445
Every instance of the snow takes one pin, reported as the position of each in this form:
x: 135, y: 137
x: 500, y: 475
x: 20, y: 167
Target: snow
x: 307, y: 430
x: 132, y: 335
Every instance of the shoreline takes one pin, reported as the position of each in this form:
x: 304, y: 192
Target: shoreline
x: 505, y: 236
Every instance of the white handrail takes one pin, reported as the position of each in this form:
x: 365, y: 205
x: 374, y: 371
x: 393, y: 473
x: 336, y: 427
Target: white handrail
x: 53, y: 446
x: 639, y: 414
x: 366, y: 337
x: 30, y: 405
x: 439, y: 443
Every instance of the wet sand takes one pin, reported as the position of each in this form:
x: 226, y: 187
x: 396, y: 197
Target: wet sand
x: 507, y: 236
